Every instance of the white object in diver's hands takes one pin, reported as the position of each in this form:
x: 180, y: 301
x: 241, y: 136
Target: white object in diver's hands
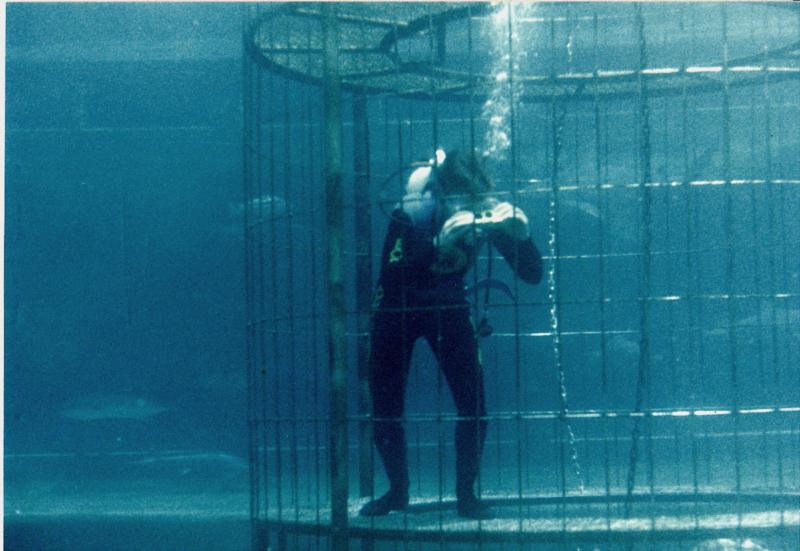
x: 506, y: 218
x: 465, y: 228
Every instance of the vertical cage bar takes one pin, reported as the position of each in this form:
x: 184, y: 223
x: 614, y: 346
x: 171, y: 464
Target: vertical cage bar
x: 275, y: 384
x: 730, y: 266
x: 772, y: 274
x: 336, y: 304
x: 645, y: 175
x: 437, y: 346
x: 601, y: 276
x: 363, y: 267
x: 309, y: 175
x: 518, y: 424
x: 755, y: 193
x: 291, y: 337
x: 557, y: 111
x: 258, y: 518
x: 255, y: 207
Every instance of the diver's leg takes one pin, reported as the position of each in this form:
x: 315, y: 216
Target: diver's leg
x: 456, y: 348
x: 391, y: 345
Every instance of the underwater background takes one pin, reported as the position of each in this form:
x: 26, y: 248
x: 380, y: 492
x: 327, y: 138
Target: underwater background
x: 124, y: 302
x: 165, y: 356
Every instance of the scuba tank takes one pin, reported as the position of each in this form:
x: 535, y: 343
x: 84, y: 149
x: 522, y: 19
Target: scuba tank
x: 425, y: 205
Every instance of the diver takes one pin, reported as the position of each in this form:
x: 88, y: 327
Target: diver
x: 447, y: 213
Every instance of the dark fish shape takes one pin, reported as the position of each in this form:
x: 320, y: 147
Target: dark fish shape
x: 193, y: 464
x: 112, y: 406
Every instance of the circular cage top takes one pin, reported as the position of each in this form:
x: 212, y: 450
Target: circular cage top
x: 559, y: 50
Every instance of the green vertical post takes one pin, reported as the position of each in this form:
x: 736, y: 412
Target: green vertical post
x: 336, y: 307
x: 363, y: 230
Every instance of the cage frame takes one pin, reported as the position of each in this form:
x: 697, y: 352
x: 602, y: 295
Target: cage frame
x: 566, y: 88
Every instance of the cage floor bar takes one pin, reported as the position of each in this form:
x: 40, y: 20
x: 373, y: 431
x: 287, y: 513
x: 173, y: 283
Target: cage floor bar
x: 575, y: 518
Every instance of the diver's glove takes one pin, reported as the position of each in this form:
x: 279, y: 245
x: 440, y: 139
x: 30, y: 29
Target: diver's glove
x: 465, y: 229
x: 506, y: 218
x: 461, y: 227
x: 457, y: 236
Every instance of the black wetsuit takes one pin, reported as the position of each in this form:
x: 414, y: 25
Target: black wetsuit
x: 412, y: 301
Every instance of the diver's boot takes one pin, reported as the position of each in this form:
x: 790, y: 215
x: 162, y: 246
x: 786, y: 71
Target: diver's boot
x: 471, y: 507
x: 391, y: 443
x: 468, y: 505
x: 470, y: 435
x: 393, y: 500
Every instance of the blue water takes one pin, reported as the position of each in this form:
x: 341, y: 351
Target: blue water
x: 126, y: 298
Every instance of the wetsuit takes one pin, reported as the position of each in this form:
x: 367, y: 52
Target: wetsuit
x: 414, y: 301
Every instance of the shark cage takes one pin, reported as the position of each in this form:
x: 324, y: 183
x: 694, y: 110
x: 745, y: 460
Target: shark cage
x: 644, y: 395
